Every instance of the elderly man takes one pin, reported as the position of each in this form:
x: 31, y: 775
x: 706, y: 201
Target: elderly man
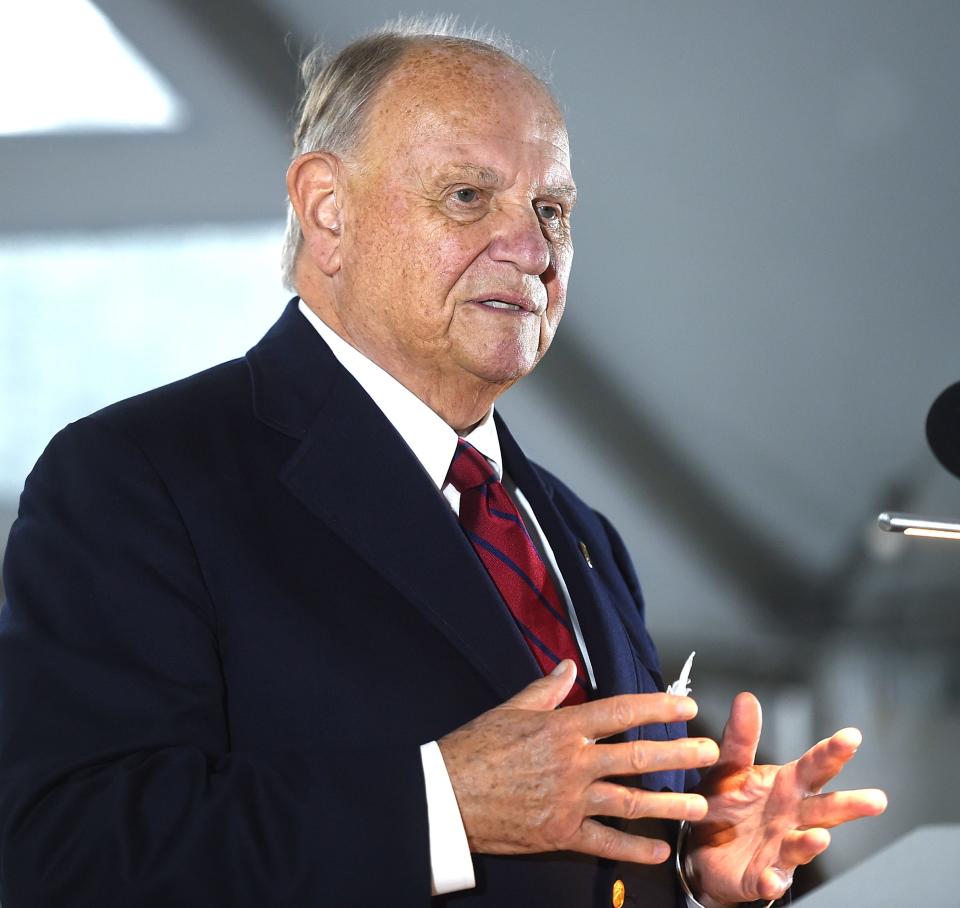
x: 308, y: 629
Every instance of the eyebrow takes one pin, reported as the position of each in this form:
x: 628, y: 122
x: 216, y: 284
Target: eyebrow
x: 567, y: 193
x: 491, y: 178
x: 487, y: 177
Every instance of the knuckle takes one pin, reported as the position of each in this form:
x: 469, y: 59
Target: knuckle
x: 640, y: 757
x: 635, y: 804
x: 560, y: 738
x: 610, y: 846
x: 559, y: 829
x: 561, y: 722
x: 554, y: 834
x: 622, y: 712
x: 606, y: 842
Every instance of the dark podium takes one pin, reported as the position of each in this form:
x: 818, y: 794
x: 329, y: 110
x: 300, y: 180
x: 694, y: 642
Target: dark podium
x: 922, y: 868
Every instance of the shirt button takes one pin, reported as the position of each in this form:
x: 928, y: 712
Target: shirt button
x: 618, y: 894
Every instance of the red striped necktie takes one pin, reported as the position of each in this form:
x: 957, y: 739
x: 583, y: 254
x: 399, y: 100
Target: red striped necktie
x: 494, y: 527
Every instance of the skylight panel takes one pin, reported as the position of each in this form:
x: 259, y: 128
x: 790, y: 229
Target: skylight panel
x: 65, y: 68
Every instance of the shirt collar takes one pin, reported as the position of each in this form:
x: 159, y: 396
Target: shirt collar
x: 430, y: 439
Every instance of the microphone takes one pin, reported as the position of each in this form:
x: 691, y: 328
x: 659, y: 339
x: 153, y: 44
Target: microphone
x: 943, y: 436
x: 943, y: 428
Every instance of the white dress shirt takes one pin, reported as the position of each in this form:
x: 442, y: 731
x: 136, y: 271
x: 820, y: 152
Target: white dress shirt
x: 434, y: 443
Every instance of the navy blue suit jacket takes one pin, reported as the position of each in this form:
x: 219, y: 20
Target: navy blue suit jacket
x: 236, y: 607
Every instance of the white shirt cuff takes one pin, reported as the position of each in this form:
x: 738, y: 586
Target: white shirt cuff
x: 451, y: 866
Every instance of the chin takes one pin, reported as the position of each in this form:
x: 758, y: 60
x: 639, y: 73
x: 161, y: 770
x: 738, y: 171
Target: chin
x: 504, y: 370
x: 498, y: 348
x: 502, y: 358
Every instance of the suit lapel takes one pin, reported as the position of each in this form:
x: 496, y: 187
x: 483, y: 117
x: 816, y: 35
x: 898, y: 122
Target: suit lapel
x: 603, y: 631
x: 354, y: 472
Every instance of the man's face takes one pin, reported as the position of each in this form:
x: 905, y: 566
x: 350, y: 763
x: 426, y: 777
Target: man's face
x: 456, y: 246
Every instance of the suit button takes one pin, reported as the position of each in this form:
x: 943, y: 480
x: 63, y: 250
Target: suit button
x: 618, y: 894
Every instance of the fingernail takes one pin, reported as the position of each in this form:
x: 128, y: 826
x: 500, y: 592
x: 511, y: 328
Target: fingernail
x: 661, y: 852
x: 560, y: 668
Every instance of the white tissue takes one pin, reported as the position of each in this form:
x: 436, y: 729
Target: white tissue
x: 681, y: 687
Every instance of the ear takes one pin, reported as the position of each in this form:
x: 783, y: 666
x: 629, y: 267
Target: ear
x: 312, y: 183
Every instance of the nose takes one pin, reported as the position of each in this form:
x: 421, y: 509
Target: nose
x: 520, y: 241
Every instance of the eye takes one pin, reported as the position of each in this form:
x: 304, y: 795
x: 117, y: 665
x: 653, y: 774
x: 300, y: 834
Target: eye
x: 466, y: 195
x: 549, y: 213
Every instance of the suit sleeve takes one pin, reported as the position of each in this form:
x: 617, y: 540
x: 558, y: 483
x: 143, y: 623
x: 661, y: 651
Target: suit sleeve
x: 118, y: 783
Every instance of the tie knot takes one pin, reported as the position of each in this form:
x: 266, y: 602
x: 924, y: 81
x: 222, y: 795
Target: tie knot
x: 469, y: 468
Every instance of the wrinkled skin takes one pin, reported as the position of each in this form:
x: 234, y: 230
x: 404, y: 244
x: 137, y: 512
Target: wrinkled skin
x: 529, y: 778
x: 459, y: 194
x: 764, y: 821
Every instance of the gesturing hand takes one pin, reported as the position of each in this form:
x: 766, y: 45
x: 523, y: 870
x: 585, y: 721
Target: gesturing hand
x: 528, y: 776
x: 763, y: 821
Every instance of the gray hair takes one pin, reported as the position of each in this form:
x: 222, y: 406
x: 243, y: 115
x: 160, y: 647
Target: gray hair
x: 337, y: 90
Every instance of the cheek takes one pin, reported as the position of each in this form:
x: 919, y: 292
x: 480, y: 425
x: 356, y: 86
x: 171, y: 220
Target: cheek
x: 556, y: 284
x: 555, y: 313
x: 368, y: 248
x: 562, y: 260
x: 451, y: 250
x: 427, y: 254
x: 548, y: 325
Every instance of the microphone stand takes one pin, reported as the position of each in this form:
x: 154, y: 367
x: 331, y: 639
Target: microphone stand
x: 943, y: 436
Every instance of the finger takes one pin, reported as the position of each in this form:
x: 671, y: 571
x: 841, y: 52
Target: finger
x: 612, y: 715
x: 829, y: 810
x: 546, y: 693
x: 826, y: 758
x: 774, y: 882
x: 638, y: 757
x: 801, y: 846
x: 607, y: 799
x: 604, y: 842
x: 741, y: 734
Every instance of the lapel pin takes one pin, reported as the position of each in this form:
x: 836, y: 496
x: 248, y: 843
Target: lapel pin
x: 586, y: 554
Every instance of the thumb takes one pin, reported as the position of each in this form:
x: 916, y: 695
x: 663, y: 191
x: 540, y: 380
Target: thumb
x: 741, y: 735
x: 546, y: 693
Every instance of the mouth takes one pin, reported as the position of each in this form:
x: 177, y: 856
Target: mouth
x: 508, y: 303
x: 500, y: 304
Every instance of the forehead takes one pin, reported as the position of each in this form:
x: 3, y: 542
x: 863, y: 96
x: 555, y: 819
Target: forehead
x: 455, y: 103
